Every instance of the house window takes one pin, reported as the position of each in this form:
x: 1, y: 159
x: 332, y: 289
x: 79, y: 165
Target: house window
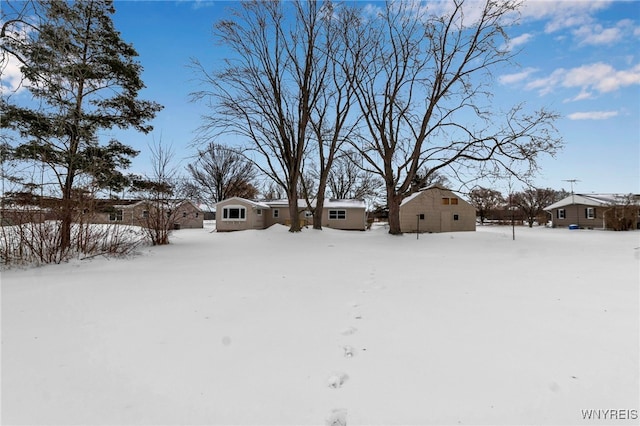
x: 145, y: 214
x: 337, y: 214
x: 590, y: 213
x: 259, y: 212
x: 421, y: 216
x: 456, y: 217
x: 234, y: 213
x: 445, y: 201
x: 116, y: 216
x: 308, y: 214
x: 197, y: 214
x: 454, y: 201
x: 562, y: 214
x: 276, y: 213
x: 184, y: 214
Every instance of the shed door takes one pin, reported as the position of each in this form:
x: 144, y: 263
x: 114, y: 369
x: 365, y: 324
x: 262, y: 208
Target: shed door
x: 445, y: 222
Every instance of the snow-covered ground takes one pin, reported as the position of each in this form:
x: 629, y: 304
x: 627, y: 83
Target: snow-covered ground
x: 331, y: 327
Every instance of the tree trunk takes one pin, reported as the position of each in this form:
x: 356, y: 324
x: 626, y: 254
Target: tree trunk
x: 293, y: 211
x: 393, y: 201
x: 67, y: 211
x: 317, y: 213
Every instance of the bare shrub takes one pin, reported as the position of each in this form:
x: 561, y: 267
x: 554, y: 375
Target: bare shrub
x: 33, y: 243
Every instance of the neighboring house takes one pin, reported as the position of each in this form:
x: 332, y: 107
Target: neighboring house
x: 16, y: 214
x: 436, y: 209
x: 208, y: 211
x: 236, y: 214
x: 185, y: 214
x: 594, y: 211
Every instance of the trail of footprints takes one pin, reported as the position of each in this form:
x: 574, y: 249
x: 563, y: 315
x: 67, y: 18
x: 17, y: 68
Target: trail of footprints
x: 338, y: 416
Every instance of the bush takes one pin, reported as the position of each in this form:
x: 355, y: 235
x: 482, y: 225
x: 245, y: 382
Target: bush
x: 33, y: 243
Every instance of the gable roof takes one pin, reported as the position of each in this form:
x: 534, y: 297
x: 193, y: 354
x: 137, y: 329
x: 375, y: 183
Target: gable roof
x: 254, y: 204
x: 421, y: 190
x: 332, y: 203
x: 594, y: 200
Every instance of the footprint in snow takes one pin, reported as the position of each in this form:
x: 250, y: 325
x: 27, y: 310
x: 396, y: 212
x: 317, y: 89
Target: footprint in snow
x: 349, y: 351
x: 337, y: 417
x: 348, y: 331
x: 337, y: 379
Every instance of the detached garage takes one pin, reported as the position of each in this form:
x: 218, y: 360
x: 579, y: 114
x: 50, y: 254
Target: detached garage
x: 436, y: 209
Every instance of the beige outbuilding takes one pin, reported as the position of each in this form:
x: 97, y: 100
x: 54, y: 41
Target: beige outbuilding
x: 436, y: 209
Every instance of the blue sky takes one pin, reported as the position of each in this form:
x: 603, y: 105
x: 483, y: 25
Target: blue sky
x: 578, y: 58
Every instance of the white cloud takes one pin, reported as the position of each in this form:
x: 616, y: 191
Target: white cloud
x: 592, y: 115
x: 598, y: 35
x: 599, y: 77
x: 583, y: 95
x: 602, y: 77
x: 518, y: 41
x: 562, y: 14
x: 11, y: 79
x: 516, y: 77
x: 547, y: 84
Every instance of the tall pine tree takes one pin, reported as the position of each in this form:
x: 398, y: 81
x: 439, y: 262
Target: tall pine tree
x: 83, y: 79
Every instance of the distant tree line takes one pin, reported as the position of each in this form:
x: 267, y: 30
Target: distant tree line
x: 524, y: 206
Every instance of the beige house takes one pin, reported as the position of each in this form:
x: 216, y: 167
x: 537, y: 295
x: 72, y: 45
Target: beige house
x: 184, y: 214
x: 436, y: 209
x: 596, y: 211
x: 239, y: 214
x: 236, y: 214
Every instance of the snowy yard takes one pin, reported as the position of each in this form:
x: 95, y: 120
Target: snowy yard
x: 317, y: 328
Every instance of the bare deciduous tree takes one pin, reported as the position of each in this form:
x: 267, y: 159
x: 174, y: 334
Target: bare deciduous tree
x: 268, y: 89
x: 485, y: 200
x: 532, y: 202
x: 348, y: 180
x: 425, y: 177
x: 158, y: 194
x: 220, y: 172
x: 422, y: 76
x: 330, y: 120
x: 623, y: 214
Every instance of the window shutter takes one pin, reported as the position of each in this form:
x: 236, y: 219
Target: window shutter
x: 594, y: 213
x: 586, y: 212
x: 557, y: 213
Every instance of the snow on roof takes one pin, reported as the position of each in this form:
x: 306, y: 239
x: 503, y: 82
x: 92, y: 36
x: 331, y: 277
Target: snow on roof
x: 328, y: 202
x: 421, y: 190
x: 410, y: 197
x: 206, y: 207
x: 595, y: 200
x: 254, y: 204
x: 353, y: 204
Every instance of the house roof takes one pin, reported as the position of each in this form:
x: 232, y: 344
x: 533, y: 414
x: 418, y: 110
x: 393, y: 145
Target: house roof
x: 255, y: 204
x: 421, y: 190
x: 594, y: 200
x: 302, y: 204
x: 127, y: 204
x: 328, y: 203
x: 348, y: 204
